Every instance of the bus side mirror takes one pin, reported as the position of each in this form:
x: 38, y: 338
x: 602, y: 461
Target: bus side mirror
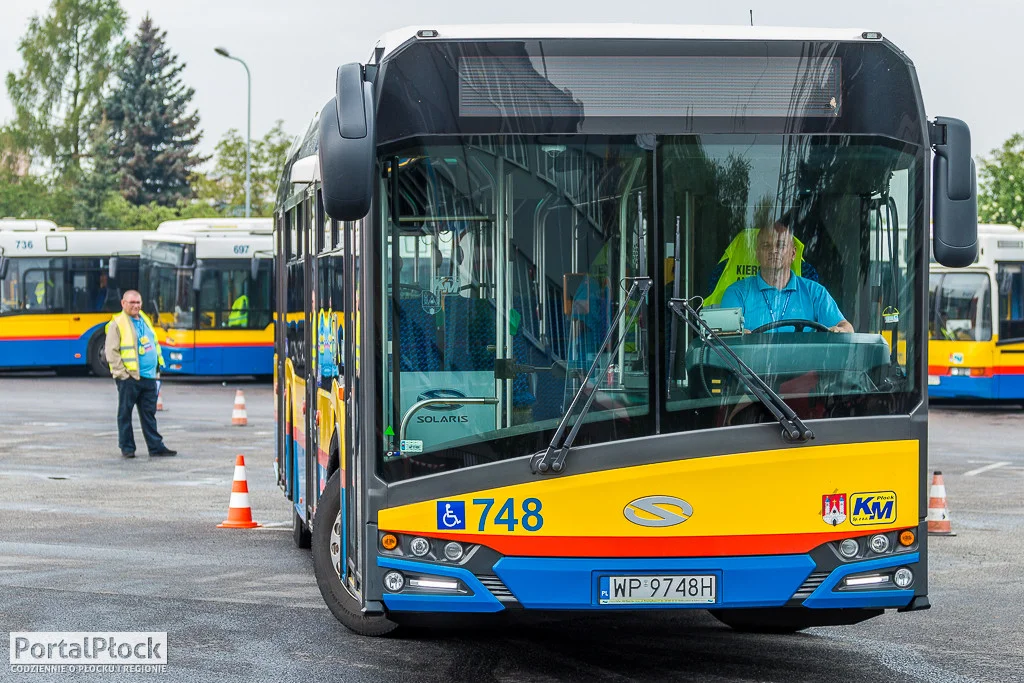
x: 3, y: 266
x: 348, y: 154
x: 197, y: 275
x: 112, y: 268
x: 954, y: 194
x: 254, y: 268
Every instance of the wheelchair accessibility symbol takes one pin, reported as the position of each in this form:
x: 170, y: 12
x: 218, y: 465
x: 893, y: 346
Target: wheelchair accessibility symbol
x: 451, y: 514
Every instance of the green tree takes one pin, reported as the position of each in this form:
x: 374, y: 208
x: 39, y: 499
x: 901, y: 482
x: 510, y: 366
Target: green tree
x: 152, y: 134
x: 1001, y: 184
x: 224, y: 187
x: 68, y: 56
x: 99, y: 179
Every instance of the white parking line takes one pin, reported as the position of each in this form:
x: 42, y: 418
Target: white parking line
x: 986, y: 468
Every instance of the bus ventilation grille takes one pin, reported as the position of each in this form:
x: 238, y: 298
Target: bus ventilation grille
x: 810, y: 585
x: 497, y: 588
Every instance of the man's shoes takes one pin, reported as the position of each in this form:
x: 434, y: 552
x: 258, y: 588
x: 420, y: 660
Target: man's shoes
x: 128, y: 454
x: 163, y: 451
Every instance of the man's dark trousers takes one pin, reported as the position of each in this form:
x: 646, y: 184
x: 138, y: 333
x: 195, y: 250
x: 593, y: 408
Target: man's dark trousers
x: 141, y: 393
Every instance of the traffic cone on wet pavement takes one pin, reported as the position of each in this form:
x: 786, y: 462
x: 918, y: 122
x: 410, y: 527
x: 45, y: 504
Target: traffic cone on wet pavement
x: 160, y: 400
x: 238, y: 416
x: 939, y: 523
x: 239, y: 512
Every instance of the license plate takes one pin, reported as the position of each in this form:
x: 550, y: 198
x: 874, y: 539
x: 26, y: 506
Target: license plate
x: 660, y: 589
x: 933, y: 380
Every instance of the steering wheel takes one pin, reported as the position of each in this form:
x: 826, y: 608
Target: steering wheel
x: 798, y: 323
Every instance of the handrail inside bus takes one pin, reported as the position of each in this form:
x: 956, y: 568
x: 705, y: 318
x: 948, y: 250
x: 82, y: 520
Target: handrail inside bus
x: 419, y: 405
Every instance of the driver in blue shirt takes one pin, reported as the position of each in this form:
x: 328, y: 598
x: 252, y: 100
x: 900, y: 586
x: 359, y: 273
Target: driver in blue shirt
x: 777, y: 293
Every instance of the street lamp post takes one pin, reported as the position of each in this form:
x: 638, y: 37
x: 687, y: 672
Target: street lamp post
x: 248, y: 126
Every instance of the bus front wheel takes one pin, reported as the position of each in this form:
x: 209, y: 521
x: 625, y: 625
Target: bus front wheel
x: 326, y: 543
x: 97, y: 355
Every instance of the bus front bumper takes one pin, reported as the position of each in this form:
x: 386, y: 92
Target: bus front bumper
x: 543, y: 583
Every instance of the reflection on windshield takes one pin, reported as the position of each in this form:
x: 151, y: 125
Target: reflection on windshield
x: 507, y: 256
x: 506, y: 268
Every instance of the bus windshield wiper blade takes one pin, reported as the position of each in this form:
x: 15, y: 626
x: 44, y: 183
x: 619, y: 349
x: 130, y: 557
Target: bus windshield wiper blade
x: 553, y: 460
x: 793, y: 428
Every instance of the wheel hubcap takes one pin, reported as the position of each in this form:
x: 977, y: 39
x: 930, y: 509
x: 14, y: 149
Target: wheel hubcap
x: 336, y: 545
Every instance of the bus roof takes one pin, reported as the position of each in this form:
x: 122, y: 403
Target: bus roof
x: 392, y: 40
x: 227, y: 226
x: 75, y: 243
x: 239, y: 244
x: 27, y: 225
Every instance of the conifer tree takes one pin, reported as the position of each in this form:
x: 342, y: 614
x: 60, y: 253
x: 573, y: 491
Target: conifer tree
x: 152, y: 132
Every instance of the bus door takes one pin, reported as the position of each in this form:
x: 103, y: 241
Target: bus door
x: 43, y: 295
x: 1010, y: 311
x: 452, y: 318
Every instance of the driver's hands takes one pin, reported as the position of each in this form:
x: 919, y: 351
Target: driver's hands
x: 839, y: 329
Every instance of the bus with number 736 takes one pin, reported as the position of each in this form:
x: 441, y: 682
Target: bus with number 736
x: 498, y: 390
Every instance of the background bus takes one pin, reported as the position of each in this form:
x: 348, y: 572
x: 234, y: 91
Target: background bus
x: 59, y: 291
x: 976, y: 322
x: 208, y: 283
x: 509, y: 413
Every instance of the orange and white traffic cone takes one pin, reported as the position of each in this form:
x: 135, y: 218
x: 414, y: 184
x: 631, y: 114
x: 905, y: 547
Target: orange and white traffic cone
x: 239, y: 512
x: 160, y: 400
x: 939, y: 523
x: 238, y: 416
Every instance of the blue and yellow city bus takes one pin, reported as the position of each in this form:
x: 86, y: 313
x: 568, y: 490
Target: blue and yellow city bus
x: 58, y: 290
x: 208, y: 283
x: 498, y: 390
x: 976, y: 322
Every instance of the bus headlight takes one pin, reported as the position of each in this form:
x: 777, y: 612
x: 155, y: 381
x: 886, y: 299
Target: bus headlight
x: 849, y: 548
x: 903, y: 577
x: 394, y: 581
x: 419, y: 546
x: 453, y: 551
x: 879, y: 543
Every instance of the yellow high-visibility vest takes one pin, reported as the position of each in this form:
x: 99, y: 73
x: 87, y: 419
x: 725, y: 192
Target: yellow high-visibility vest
x: 239, y: 316
x: 741, y: 262
x: 129, y: 345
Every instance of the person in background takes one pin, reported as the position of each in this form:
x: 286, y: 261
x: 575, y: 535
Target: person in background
x: 134, y: 357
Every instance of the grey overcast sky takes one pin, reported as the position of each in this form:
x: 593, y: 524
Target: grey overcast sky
x: 968, y: 55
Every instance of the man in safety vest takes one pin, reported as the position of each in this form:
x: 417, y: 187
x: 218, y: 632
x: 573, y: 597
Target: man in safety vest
x: 135, y: 361
x: 239, y: 316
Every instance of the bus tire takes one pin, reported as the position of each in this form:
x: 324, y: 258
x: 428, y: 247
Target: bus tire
x: 343, y: 605
x: 97, y: 355
x: 301, y: 536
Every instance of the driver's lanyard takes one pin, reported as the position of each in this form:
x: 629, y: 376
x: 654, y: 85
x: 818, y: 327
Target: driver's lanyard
x: 771, y: 310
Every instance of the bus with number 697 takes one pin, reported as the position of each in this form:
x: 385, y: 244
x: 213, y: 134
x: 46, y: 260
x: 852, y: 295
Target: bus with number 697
x: 208, y: 284
x: 976, y: 322
x: 499, y: 390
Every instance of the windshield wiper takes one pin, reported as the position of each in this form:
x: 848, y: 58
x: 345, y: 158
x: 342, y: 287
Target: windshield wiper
x: 793, y: 428
x: 553, y: 460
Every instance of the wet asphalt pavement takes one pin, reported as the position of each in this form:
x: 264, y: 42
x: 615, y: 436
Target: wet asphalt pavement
x: 89, y: 541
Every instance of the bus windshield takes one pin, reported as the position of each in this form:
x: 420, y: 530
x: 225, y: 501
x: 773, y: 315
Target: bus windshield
x: 230, y: 298
x: 166, y: 279
x: 507, y: 257
x: 960, y: 306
